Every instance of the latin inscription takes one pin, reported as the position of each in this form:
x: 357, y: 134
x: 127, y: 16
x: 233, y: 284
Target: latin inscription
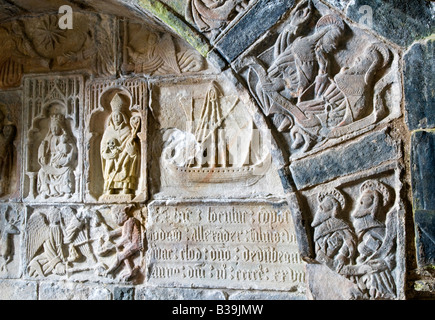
x: 233, y: 245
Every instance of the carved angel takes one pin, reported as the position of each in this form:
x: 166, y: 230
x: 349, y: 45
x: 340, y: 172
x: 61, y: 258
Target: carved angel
x: 45, y: 244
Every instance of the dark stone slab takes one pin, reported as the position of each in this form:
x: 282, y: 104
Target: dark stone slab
x: 400, y: 21
x: 419, y: 86
x: 425, y: 237
x: 423, y: 170
x: 363, y: 154
x: 123, y: 293
x: 254, y: 24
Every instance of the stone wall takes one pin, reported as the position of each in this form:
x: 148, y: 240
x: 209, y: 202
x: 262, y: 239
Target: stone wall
x: 246, y: 150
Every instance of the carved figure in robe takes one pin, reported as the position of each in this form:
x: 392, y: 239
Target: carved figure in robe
x: 130, y: 242
x: 348, y: 97
x: 120, y: 151
x: 335, y: 242
x: 7, y: 136
x: 56, y: 156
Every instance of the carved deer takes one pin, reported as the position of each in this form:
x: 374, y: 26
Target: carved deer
x: 9, y: 227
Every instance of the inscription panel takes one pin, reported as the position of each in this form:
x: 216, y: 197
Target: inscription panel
x: 242, y: 246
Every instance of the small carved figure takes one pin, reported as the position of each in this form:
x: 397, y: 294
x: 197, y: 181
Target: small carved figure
x: 7, y: 136
x: 56, y: 155
x: 129, y: 244
x: 8, y: 227
x: 376, y: 242
x: 120, y: 151
x: 335, y: 243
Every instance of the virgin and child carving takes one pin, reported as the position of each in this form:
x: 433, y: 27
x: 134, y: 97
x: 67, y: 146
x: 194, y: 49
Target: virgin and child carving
x: 309, y: 94
x: 56, y: 156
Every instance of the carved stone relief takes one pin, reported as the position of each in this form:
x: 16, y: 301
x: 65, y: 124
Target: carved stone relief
x: 356, y: 232
x: 76, y: 243
x: 212, y: 16
x: 152, y: 53
x: 323, y: 84
x: 116, y: 160
x: 249, y: 245
x: 35, y: 45
x: 10, y: 145
x: 11, y: 222
x: 206, y: 142
x: 53, y: 137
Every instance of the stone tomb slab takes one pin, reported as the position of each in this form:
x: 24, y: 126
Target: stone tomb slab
x: 244, y: 245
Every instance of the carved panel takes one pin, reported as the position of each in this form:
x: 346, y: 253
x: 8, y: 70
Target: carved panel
x: 36, y: 45
x: 11, y: 230
x: 248, y: 245
x: 212, y: 17
x: 10, y: 145
x: 153, y: 53
x: 322, y: 80
x: 357, y: 234
x: 205, y: 142
x: 101, y: 244
x: 116, y: 144
x: 53, y: 138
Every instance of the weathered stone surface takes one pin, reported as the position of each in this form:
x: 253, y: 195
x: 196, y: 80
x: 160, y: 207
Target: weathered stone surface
x: 420, y: 86
x: 150, y: 293
x: 254, y: 24
x: 399, y: 21
x: 18, y: 290
x: 214, y: 245
x: 363, y: 154
x: 123, y: 293
x: 11, y: 235
x: 422, y: 170
x: 425, y: 237
x: 72, y: 291
x: 324, y: 284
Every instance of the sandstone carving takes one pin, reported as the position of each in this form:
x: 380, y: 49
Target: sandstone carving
x: 211, y: 244
x: 297, y: 84
x: 151, y: 53
x: 53, y: 138
x: 362, y: 246
x: 39, y: 45
x: 56, y: 156
x: 210, y: 16
x: 116, y: 159
x: 75, y: 243
x: 120, y: 151
x: 209, y: 152
x: 10, y: 225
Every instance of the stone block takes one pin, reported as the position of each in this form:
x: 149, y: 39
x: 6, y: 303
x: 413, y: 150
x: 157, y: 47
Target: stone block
x: 123, y: 293
x: 402, y: 22
x: 151, y: 293
x: 425, y: 237
x: 266, y: 295
x: 253, y: 25
x: 363, y: 154
x: 422, y: 170
x: 72, y: 291
x: 420, y: 86
x: 18, y: 290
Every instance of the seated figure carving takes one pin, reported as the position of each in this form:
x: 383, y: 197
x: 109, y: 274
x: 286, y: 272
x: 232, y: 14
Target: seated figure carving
x: 56, y: 156
x: 120, y: 151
